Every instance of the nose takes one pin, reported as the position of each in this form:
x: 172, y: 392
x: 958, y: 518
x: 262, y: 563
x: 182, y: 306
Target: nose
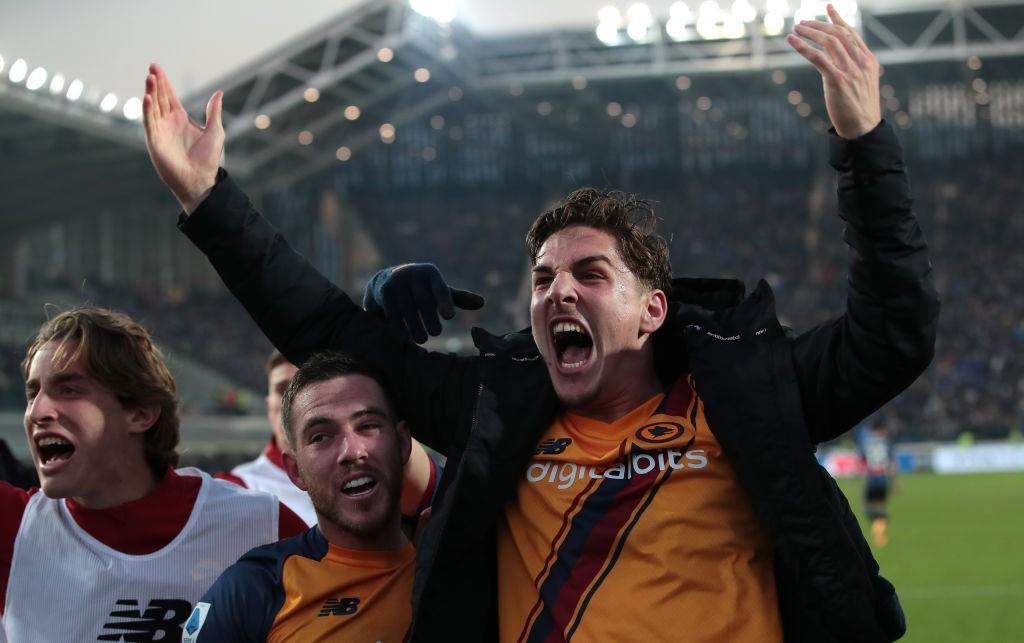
x: 40, y: 410
x: 562, y: 289
x: 354, y: 448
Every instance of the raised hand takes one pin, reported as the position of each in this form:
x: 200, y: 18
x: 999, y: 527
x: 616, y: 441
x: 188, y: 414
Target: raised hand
x: 185, y: 155
x: 412, y: 295
x: 849, y: 72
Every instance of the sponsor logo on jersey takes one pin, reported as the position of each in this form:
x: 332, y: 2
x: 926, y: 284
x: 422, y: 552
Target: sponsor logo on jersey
x: 339, y: 607
x: 161, y: 621
x: 554, y: 446
x: 567, y: 474
x: 195, y: 623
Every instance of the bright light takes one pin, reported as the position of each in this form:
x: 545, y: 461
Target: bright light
x: 36, y: 79
x: 385, y: 54
x: 262, y: 121
x: 780, y: 7
x: 18, y: 71
x: 421, y: 75
x: 305, y: 137
x: 352, y: 112
x: 847, y: 9
x: 57, y: 84
x: 608, y: 33
x: 75, y: 90
x: 132, y: 109
x: 579, y: 83
x: 733, y: 28
x: 609, y: 15
x: 809, y: 10
x: 109, y: 102
x: 680, y: 11
x: 640, y: 21
x: 1, y: 63
x: 742, y: 10
x: 441, y: 11
x: 343, y: 153
x: 709, y: 21
x: 774, y: 24
x: 387, y: 130
x: 312, y: 94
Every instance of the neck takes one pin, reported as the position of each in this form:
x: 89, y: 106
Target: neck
x: 389, y: 538
x: 132, y: 483
x: 631, y: 384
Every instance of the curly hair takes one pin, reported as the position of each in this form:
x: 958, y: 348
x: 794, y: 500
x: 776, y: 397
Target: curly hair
x: 626, y: 217
x: 121, y: 355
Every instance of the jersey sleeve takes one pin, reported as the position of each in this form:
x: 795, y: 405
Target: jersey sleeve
x: 240, y: 607
x: 12, y: 507
x: 230, y: 477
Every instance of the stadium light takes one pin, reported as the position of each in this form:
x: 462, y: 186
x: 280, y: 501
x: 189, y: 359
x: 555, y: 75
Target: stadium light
x: 778, y: 7
x: 774, y: 24
x: 609, y: 21
x: 57, y: 83
x: 109, y: 102
x: 710, y: 19
x: 36, y: 79
x: 679, y: 19
x: 810, y: 10
x: 75, y: 90
x: 132, y: 109
x: 743, y: 11
x: 639, y: 22
x: 18, y: 71
x: 440, y: 11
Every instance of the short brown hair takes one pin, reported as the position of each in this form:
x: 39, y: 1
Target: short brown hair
x: 626, y: 217
x: 120, y: 354
x: 276, y: 359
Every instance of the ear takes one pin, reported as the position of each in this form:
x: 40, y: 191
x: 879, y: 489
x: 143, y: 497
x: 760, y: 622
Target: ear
x: 141, y: 418
x: 404, y: 441
x: 291, y: 467
x: 655, y: 311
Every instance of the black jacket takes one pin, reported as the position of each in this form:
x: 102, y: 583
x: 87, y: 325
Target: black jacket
x: 769, y: 397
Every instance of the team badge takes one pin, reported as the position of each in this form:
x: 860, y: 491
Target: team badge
x: 660, y: 432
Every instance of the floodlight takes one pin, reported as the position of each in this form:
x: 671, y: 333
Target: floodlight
x: 36, y: 79
x: 441, y: 11
x: 57, y: 84
x: 132, y: 109
x: 75, y: 90
x: 743, y: 11
x: 809, y: 10
x: 109, y: 102
x: 639, y: 21
x: 18, y: 71
x: 610, y: 15
x: 608, y: 33
x: 733, y: 28
x: 774, y: 24
x: 709, y: 20
x: 847, y: 8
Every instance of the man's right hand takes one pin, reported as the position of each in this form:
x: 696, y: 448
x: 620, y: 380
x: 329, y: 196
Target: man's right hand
x: 185, y: 155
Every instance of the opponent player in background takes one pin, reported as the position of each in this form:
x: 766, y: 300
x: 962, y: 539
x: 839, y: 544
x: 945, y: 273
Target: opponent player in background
x: 879, y: 468
x: 349, y: 578
x: 119, y: 545
x: 267, y: 472
x: 627, y: 470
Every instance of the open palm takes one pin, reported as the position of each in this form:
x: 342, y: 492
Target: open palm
x: 185, y: 155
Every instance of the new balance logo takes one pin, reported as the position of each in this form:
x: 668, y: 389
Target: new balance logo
x: 339, y: 607
x: 554, y: 446
x: 161, y: 621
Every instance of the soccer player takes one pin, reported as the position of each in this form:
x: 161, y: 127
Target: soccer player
x: 876, y: 449
x: 349, y: 578
x: 119, y: 545
x: 267, y: 472
x: 627, y: 469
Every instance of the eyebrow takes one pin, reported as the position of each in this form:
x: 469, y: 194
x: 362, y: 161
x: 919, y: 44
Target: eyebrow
x: 576, y: 264
x: 317, y: 420
x: 58, y: 379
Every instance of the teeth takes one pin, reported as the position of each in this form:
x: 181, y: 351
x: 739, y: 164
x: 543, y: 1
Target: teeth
x: 52, y: 441
x: 358, y: 482
x: 569, y: 327
x: 574, y: 364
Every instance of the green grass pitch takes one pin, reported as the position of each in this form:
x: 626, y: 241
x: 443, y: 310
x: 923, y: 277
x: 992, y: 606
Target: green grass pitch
x: 955, y: 554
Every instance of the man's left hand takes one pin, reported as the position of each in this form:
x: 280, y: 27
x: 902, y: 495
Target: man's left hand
x: 849, y: 72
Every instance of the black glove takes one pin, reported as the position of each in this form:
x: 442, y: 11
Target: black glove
x: 410, y: 297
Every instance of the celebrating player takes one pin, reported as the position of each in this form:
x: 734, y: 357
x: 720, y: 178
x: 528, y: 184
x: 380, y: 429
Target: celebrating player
x: 122, y: 542
x: 350, y: 576
x: 627, y: 470
x: 267, y: 472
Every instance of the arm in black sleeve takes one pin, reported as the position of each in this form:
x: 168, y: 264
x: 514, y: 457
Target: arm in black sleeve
x: 302, y: 312
x: 853, y: 365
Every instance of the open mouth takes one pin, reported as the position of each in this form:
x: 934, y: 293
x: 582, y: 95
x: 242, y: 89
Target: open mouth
x: 359, y: 486
x: 573, y: 344
x: 52, y: 449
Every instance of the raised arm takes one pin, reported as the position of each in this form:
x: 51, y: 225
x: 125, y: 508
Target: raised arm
x: 851, y: 366
x: 298, y: 309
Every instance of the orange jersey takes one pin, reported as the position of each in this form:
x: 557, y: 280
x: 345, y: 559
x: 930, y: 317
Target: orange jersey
x: 305, y: 589
x: 635, y: 531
